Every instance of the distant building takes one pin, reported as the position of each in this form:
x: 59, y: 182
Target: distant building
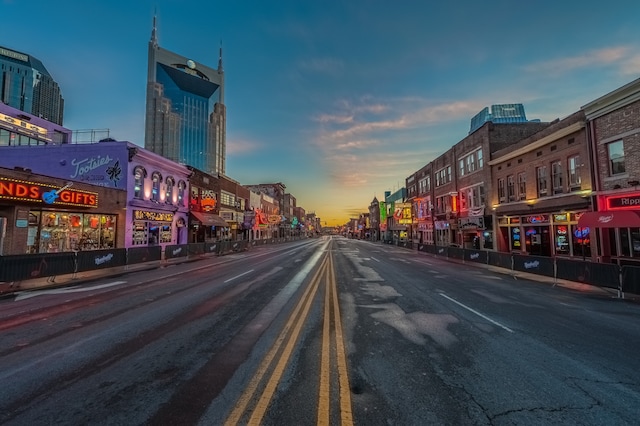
x: 502, y: 113
x: 25, y: 84
x: 186, y: 115
x: 20, y: 128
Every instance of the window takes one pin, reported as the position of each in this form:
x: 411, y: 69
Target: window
x: 424, y: 185
x: 156, y: 178
x: 511, y: 188
x: 573, y: 168
x: 556, y: 177
x: 616, y: 157
x: 522, y: 186
x: 168, y: 195
x: 501, y: 194
x: 181, y: 188
x: 473, y: 197
x: 443, y: 176
x: 470, y: 163
x: 139, y: 174
x: 542, y: 180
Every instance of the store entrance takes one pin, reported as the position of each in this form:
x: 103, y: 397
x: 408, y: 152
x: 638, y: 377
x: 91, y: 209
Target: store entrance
x: 538, y: 240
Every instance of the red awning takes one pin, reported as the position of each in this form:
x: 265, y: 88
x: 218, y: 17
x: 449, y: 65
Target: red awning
x: 209, y: 219
x: 610, y: 219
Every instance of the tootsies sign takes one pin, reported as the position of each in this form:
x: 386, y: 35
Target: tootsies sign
x: 36, y: 192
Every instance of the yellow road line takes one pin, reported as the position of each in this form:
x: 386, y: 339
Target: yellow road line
x: 346, y: 414
x: 263, y: 403
x: 325, y: 372
x: 245, y: 398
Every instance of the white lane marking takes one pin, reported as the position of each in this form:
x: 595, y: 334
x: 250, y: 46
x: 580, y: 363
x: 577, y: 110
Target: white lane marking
x: 477, y: 313
x: 29, y: 294
x: 373, y: 258
x: 238, y: 276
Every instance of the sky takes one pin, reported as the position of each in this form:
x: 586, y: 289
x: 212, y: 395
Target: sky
x: 338, y: 100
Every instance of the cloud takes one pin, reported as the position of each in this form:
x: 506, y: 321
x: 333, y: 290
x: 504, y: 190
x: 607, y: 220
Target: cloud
x: 241, y: 146
x: 327, y: 118
x: 593, y: 58
x: 631, y: 65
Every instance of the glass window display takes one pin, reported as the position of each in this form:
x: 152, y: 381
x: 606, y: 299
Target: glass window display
x: 55, y: 232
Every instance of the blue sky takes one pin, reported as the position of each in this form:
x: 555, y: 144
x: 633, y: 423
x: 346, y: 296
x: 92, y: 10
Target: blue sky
x: 338, y: 100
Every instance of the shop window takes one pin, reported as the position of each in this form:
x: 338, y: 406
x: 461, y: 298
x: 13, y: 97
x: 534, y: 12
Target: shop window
x: 156, y: 179
x: 516, y: 242
x: 613, y: 246
x: 581, y: 241
x: 616, y: 157
x: 625, y: 247
x: 635, y: 242
x: 54, y: 232
x: 561, y: 239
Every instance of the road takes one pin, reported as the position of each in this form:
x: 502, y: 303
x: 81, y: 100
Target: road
x: 321, y: 331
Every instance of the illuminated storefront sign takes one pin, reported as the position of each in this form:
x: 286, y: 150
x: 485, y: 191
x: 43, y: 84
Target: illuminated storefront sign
x: 35, y: 192
x: 624, y: 202
x: 41, y: 131
x: 152, y: 216
x: 543, y: 218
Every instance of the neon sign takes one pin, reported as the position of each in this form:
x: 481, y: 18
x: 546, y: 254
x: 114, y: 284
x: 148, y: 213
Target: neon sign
x: 624, y: 202
x: 34, y: 192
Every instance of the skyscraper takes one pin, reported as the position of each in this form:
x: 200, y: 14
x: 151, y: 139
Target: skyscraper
x: 25, y: 84
x: 186, y: 115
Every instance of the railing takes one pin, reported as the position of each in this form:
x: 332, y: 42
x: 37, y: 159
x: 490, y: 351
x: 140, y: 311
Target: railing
x: 22, y: 267
x: 15, y: 268
x: 623, y: 278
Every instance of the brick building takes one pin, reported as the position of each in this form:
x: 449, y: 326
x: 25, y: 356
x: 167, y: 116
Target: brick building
x: 614, y: 137
x: 541, y: 186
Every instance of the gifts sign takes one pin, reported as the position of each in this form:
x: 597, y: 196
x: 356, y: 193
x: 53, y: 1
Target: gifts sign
x: 50, y: 197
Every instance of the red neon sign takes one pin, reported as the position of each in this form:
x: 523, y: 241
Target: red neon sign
x: 34, y: 192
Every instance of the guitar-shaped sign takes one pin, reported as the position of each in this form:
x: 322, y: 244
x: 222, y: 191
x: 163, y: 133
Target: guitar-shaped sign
x: 50, y: 197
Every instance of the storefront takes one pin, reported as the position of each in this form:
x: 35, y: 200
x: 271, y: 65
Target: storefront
x: 617, y: 229
x: 472, y: 230
x: 545, y: 235
x: 45, y: 215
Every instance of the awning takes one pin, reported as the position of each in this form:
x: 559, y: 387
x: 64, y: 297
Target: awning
x: 610, y: 219
x: 210, y: 219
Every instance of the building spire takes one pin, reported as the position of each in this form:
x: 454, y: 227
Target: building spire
x: 154, y: 36
x: 220, y: 69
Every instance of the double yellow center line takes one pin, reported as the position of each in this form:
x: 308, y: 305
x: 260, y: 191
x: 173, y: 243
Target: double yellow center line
x: 276, y: 360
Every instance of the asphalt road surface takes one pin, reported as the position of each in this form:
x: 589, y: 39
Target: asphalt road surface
x: 327, y: 331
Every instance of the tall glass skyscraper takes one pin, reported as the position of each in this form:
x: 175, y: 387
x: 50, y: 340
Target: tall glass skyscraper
x: 25, y: 84
x: 186, y: 116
